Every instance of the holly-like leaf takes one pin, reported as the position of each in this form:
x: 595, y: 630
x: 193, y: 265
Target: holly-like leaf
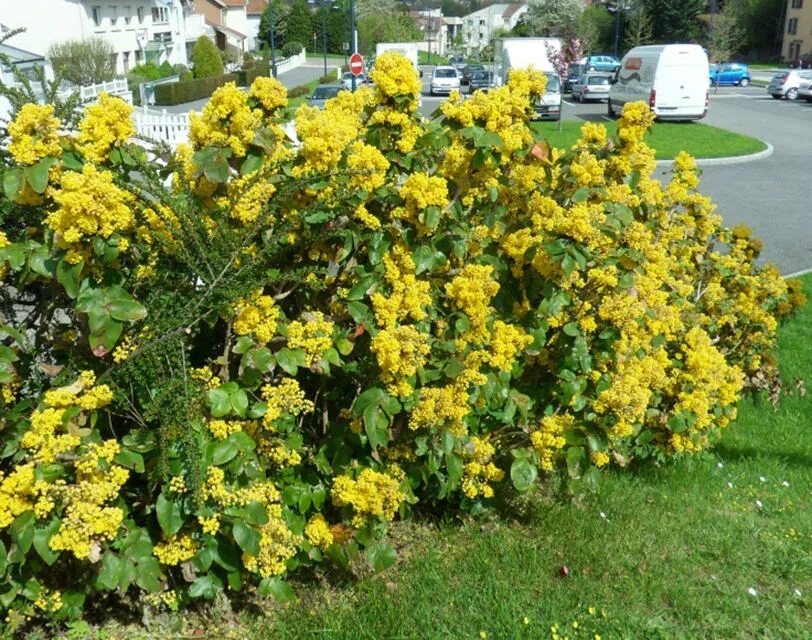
x: 380, y: 556
x: 170, y: 516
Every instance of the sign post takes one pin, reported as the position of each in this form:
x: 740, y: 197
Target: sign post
x: 356, y: 67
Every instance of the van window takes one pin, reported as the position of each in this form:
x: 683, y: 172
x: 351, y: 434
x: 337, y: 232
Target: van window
x: 553, y: 83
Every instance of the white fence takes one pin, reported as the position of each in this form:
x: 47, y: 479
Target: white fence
x: 116, y: 87
x: 288, y: 64
x: 172, y: 128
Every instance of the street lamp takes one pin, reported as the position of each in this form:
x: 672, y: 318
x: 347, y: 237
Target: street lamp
x: 273, y: 46
x: 324, y: 34
x: 353, y: 40
x: 617, y: 9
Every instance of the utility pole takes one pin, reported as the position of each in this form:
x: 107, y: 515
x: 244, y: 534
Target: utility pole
x: 273, y: 46
x: 353, y: 41
x: 324, y: 34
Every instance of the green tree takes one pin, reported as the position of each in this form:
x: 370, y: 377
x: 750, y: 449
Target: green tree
x: 280, y: 25
x: 373, y: 29
x: 596, y: 29
x: 83, y: 62
x: 553, y: 17
x: 761, y: 23
x: 675, y: 20
x: 725, y: 34
x: 639, y: 28
x: 299, y: 27
x: 206, y: 58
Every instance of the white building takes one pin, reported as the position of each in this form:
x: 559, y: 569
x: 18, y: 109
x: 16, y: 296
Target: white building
x: 478, y: 27
x: 432, y: 25
x: 139, y: 30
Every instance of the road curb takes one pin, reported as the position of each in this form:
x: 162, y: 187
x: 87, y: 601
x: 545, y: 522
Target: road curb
x: 711, y: 162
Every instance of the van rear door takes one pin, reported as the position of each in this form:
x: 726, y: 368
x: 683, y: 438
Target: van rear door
x: 681, y: 86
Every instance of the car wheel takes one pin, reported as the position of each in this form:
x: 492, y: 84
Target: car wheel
x: 590, y: 68
x: 744, y: 82
x: 792, y: 94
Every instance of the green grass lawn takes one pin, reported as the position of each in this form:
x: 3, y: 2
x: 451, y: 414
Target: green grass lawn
x: 717, y: 546
x: 667, y: 138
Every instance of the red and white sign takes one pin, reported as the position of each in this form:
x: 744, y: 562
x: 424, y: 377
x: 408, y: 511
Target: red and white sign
x: 356, y: 64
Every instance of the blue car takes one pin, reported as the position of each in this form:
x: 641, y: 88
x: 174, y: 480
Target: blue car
x: 732, y: 73
x: 601, y: 62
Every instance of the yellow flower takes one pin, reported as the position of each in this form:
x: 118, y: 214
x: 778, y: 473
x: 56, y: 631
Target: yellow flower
x: 371, y: 494
x: 107, y: 123
x: 226, y: 121
x: 34, y: 134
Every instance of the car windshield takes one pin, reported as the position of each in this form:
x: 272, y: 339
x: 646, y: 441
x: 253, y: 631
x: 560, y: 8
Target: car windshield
x: 323, y: 93
x: 553, y: 84
x: 598, y: 80
x: 445, y: 73
x: 481, y: 75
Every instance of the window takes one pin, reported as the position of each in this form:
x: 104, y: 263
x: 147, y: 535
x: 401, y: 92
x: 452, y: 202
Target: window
x: 165, y: 37
x: 797, y: 4
x: 792, y: 26
x: 96, y: 11
x: 140, y: 13
x: 127, y: 15
x: 125, y: 57
x: 139, y: 56
x: 160, y: 14
x: 113, y: 15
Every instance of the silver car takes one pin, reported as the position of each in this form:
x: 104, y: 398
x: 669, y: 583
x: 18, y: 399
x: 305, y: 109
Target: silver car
x: 786, y: 83
x: 444, y: 80
x: 805, y: 91
x: 323, y: 93
x: 591, y: 86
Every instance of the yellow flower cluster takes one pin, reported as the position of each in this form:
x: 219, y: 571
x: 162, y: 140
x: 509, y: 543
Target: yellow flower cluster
x: 398, y: 127
x: 217, y: 491
x: 367, y: 166
x: 270, y: 93
x: 420, y: 191
x: 178, y: 549
x: 326, y: 133
x: 314, y: 336
x: 34, y: 134
x: 471, y: 291
x: 247, y: 197
x: 400, y: 352
x: 107, y: 123
x: 507, y: 340
x: 479, y: 471
x: 221, y: 429
x: 318, y: 533
x: 395, y: 76
x: 280, y: 455
x: 276, y: 546
x: 408, y: 295
x: 226, y: 121
x: 371, y: 494
x: 89, y: 204
x: 285, y: 398
x: 549, y: 438
x: 210, y: 525
x: 257, y: 316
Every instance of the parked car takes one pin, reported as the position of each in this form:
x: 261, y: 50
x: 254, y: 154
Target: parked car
x: 785, y: 84
x: 444, y: 79
x: 573, y: 73
x: 482, y: 80
x: 323, y: 93
x: 548, y: 106
x: 458, y: 62
x: 730, y: 73
x: 346, y: 80
x: 468, y: 70
x: 805, y: 91
x: 803, y: 62
x: 601, y: 62
x: 591, y: 86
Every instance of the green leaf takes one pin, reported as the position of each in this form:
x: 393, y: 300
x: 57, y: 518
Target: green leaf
x: 455, y: 467
x: 255, y: 513
x: 574, y: 457
x: 239, y: 402
x: 380, y: 556
x: 277, y: 588
x: 285, y: 359
x: 206, y: 586
x: 148, y: 575
x: 104, y: 343
x: 433, y: 217
x: 22, y: 531
x: 374, y: 395
x: 69, y: 276
x: 110, y: 572
x: 37, y: 174
x: 130, y: 460
x: 360, y: 313
x: 42, y: 537
x: 127, y: 310
x: 223, y: 452
x: 219, y: 402
x: 12, y: 183
x: 169, y: 515
x: 376, y: 425
x: 252, y: 162
x: 247, y: 537
x: 523, y: 474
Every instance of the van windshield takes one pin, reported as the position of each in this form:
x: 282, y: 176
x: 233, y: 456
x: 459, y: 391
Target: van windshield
x: 553, y: 83
x: 445, y: 73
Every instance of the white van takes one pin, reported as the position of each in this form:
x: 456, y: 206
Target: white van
x: 672, y: 78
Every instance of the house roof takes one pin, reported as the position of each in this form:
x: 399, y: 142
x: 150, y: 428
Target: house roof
x: 256, y: 7
x: 511, y: 9
x: 227, y: 31
x: 20, y: 56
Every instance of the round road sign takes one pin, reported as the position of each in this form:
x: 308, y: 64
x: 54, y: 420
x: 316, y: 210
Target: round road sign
x: 356, y: 64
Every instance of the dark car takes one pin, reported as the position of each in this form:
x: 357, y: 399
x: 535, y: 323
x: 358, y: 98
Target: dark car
x: 480, y: 80
x: 458, y: 62
x: 730, y: 73
x: 468, y: 70
x: 803, y: 62
x: 323, y: 93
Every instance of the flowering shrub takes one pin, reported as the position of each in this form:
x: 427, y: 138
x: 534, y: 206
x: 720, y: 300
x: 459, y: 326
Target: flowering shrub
x: 249, y: 355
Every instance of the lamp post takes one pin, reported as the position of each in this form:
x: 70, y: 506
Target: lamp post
x: 353, y: 40
x: 273, y: 46
x: 324, y: 34
x: 618, y: 9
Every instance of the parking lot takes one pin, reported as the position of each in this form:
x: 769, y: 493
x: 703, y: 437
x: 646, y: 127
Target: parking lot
x: 772, y: 196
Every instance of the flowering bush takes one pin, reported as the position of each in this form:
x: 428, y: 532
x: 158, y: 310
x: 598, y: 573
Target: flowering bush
x: 249, y: 355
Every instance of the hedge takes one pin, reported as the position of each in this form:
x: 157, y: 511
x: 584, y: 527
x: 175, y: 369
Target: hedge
x: 180, y: 92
